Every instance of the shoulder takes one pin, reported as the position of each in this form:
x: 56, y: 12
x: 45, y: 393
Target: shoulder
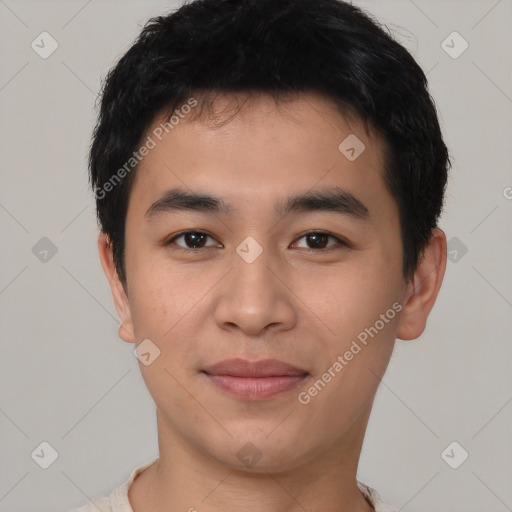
x: 374, y: 498
x: 117, y: 500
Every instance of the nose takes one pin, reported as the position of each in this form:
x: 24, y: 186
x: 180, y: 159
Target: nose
x: 255, y: 298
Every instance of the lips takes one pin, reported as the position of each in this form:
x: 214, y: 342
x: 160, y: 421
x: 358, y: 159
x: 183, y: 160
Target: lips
x: 256, y: 369
x: 254, y: 380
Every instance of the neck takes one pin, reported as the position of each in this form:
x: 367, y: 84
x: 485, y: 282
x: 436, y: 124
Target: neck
x: 185, y: 478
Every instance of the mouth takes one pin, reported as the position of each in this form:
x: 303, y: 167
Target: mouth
x: 254, y: 380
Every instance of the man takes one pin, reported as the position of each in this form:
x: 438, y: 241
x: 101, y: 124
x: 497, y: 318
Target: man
x: 268, y: 176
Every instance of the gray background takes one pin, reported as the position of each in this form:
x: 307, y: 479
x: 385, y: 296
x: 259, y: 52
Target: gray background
x: 67, y: 379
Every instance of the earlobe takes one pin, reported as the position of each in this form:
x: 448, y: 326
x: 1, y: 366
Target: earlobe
x: 125, y: 330
x: 424, y: 287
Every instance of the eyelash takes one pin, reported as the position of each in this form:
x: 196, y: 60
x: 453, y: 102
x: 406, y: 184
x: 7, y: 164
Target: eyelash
x: 341, y: 242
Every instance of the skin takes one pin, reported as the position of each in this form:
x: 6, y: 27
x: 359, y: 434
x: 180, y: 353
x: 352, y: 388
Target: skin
x: 299, y: 307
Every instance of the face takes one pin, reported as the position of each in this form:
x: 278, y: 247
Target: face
x: 295, y: 255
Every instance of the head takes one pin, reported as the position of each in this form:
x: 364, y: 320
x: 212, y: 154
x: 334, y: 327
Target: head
x: 296, y: 145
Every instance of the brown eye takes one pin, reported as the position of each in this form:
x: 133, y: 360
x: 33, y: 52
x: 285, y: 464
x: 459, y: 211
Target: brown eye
x: 316, y: 240
x: 191, y: 240
x: 194, y: 240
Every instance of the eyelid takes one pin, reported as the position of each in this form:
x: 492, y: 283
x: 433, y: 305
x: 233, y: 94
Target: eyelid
x: 182, y: 233
x: 341, y: 242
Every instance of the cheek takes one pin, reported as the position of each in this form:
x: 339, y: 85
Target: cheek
x: 348, y: 297
x: 157, y: 301
x: 347, y: 304
x: 167, y: 308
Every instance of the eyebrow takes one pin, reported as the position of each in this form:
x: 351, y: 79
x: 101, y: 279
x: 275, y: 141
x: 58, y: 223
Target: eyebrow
x: 333, y: 199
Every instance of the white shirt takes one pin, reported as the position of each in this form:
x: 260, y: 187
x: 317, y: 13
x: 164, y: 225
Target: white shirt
x: 117, y: 500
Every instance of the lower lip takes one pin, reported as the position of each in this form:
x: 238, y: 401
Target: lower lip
x: 256, y: 388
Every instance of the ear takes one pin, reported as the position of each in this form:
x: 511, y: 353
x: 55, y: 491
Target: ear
x: 423, y: 288
x: 118, y: 292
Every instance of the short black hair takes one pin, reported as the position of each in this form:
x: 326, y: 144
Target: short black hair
x: 279, y: 47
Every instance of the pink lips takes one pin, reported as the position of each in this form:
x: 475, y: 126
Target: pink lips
x: 254, y: 380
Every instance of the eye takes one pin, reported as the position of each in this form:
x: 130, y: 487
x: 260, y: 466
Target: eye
x: 319, y: 240
x: 193, y: 240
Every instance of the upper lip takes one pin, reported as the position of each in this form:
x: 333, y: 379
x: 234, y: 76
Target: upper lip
x: 245, y: 368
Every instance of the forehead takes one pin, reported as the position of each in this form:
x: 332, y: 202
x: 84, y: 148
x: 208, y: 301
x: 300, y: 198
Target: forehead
x: 249, y: 147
